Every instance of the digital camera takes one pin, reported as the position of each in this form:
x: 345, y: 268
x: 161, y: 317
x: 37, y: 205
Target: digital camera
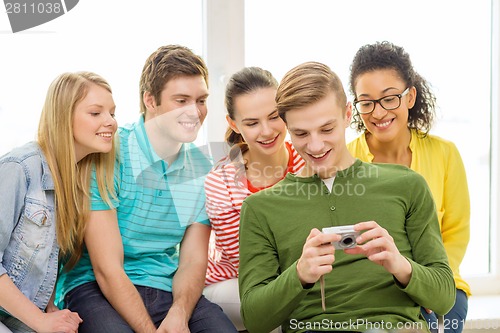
x: 347, y: 233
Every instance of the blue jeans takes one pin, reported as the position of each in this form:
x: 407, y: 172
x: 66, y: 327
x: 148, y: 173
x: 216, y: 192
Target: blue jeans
x: 100, y: 317
x: 454, y: 320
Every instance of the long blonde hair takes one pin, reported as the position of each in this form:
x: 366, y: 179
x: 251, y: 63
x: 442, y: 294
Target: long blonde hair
x: 72, y: 180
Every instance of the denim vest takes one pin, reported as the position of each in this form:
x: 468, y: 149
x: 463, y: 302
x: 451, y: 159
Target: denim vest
x: 28, y: 242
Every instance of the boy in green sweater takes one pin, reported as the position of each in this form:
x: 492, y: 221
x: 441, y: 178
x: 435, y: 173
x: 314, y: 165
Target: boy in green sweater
x: 399, y: 263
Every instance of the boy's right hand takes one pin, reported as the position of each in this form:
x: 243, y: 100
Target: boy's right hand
x: 318, y: 255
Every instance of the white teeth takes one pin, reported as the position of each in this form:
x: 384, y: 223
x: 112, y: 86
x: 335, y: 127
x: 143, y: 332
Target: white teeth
x: 189, y: 125
x: 387, y: 123
x: 319, y: 156
x: 104, y: 135
x: 268, y: 141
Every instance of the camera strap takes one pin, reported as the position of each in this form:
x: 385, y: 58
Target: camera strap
x: 322, y: 290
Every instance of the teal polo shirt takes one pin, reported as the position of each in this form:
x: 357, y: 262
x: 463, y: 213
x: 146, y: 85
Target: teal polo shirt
x: 155, y: 204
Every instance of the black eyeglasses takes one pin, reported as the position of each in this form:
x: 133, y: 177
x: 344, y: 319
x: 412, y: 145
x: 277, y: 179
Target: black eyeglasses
x: 390, y: 102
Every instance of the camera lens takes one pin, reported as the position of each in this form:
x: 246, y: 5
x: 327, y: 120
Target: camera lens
x: 348, y: 240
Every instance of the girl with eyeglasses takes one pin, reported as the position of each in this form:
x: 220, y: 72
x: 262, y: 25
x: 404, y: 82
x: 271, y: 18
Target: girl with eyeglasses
x: 394, y: 110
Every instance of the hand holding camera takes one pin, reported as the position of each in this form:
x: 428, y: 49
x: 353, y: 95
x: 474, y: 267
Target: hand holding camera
x: 378, y: 246
x: 348, y: 236
x: 317, y: 256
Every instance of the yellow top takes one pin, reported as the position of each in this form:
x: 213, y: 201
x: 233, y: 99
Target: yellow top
x: 439, y: 162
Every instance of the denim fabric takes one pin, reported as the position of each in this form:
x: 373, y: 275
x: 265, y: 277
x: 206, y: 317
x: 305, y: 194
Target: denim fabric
x: 454, y: 320
x: 28, y: 243
x: 100, y: 317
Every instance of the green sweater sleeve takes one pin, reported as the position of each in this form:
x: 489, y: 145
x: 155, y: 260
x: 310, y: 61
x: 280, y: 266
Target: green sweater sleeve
x: 431, y: 284
x: 268, y: 296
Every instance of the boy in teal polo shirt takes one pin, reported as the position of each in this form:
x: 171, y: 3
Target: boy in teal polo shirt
x: 143, y: 268
x: 290, y: 273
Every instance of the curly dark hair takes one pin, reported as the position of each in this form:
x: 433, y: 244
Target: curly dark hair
x: 385, y: 55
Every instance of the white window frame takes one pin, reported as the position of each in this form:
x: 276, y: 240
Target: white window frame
x: 490, y: 284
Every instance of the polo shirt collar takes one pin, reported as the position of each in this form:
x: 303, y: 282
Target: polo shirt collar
x: 150, y: 154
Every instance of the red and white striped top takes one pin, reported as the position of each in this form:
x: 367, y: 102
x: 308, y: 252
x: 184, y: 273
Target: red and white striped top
x: 225, y: 194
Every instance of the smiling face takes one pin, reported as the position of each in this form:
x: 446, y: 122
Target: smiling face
x: 318, y: 134
x: 385, y: 125
x: 94, y: 123
x: 258, y: 122
x: 182, y: 110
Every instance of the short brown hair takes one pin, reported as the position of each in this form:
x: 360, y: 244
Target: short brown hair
x: 307, y: 84
x: 167, y: 63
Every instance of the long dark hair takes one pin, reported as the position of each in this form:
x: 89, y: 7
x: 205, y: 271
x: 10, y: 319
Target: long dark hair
x: 245, y: 81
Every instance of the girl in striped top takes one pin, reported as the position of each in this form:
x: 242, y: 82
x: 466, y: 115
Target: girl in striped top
x: 259, y: 157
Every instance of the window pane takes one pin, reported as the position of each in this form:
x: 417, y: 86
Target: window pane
x: 112, y: 38
x: 451, y: 51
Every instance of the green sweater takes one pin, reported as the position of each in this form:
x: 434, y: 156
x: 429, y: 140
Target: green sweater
x: 359, y: 293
